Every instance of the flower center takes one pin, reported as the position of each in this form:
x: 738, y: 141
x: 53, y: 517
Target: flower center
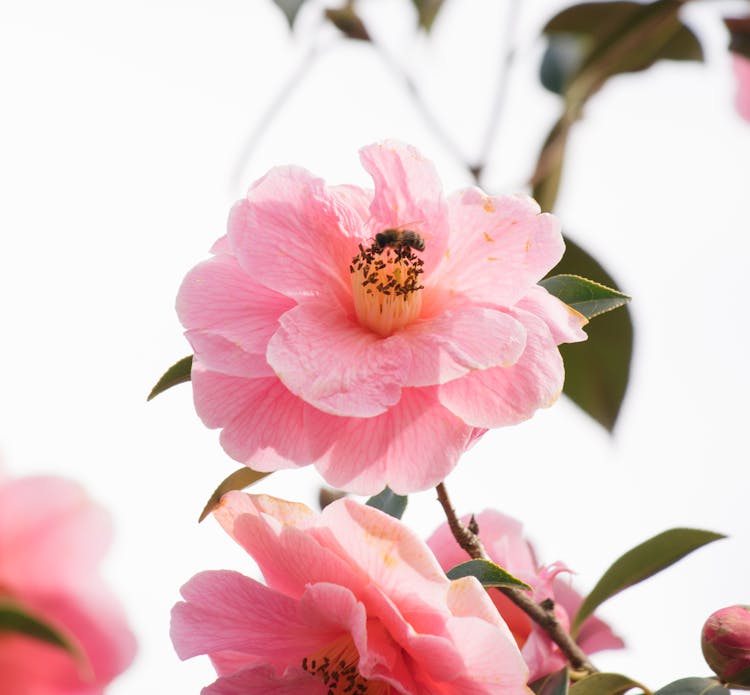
x: 336, y: 665
x: 385, y: 281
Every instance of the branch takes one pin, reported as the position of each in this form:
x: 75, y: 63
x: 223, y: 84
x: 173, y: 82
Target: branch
x: 542, y: 615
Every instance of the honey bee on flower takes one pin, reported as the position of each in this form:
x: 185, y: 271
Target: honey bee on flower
x: 329, y: 330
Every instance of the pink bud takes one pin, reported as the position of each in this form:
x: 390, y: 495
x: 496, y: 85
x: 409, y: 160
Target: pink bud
x: 726, y: 644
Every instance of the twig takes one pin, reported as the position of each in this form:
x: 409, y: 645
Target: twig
x: 542, y: 616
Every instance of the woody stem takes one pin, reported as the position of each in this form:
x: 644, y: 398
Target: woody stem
x: 542, y: 616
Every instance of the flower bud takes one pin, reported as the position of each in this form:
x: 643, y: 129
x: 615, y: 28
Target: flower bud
x: 726, y: 644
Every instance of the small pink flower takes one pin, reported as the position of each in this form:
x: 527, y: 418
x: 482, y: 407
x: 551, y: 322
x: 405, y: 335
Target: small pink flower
x: 742, y: 73
x: 354, y: 602
x: 374, y: 333
x: 503, y: 539
x: 52, y: 539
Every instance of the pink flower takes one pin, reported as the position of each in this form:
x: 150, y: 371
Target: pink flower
x: 725, y: 641
x: 377, y: 362
x: 354, y: 603
x: 52, y: 538
x: 503, y: 539
x: 742, y: 73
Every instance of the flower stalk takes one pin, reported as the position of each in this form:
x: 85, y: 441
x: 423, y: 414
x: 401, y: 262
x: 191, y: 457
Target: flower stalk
x: 543, y: 615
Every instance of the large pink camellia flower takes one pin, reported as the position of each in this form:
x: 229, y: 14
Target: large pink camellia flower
x: 354, y: 603
x: 52, y: 538
x: 503, y: 539
x: 372, y: 333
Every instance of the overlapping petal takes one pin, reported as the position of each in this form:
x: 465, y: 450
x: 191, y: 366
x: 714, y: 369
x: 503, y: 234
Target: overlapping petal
x: 371, y: 603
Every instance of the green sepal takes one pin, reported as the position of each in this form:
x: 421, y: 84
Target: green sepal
x: 178, y: 373
x: 239, y: 480
x: 389, y: 502
x: 488, y: 573
x: 640, y: 563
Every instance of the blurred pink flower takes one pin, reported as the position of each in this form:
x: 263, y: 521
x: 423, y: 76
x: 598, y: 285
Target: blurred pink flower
x: 742, y: 73
x: 355, y: 602
x: 503, y: 539
x: 373, y: 333
x: 52, y: 539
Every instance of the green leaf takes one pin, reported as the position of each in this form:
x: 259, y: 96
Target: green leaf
x: 178, y: 373
x: 239, y: 480
x: 640, y: 563
x: 553, y: 684
x: 13, y: 618
x: 427, y: 10
x: 389, y: 502
x: 608, y: 38
x: 348, y: 23
x: 585, y: 296
x: 290, y: 8
x: 597, y: 370
x: 488, y: 573
x: 693, y: 686
x: 604, y: 684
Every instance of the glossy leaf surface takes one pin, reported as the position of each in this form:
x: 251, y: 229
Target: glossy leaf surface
x: 604, y: 684
x: 553, y: 684
x: 693, y: 686
x: 488, y: 573
x: 389, y: 502
x: 640, y: 563
x: 587, y: 297
x: 178, y: 373
x: 239, y: 480
x: 597, y: 370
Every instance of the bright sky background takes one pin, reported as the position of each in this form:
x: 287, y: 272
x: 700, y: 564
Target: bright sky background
x: 121, y: 130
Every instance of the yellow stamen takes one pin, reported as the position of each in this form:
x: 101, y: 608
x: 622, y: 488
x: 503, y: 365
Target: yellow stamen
x: 385, y: 287
x: 337, y: 665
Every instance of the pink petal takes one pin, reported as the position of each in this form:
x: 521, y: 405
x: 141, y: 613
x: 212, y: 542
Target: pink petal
x: 331, y: 362
x: 263, y: 680
x: 741, y: 66
x: 225, y: 610
x: 411, y: 447
x: 565, y: 324
x: 289, y: 558
x: 508, y: 395
x: 265, y: 426
x: 459, y: 341
x: 408, y: 193
x: 499, y: 247
x: 287, y: 235
x: 218, y: 297
x: 227, y: 357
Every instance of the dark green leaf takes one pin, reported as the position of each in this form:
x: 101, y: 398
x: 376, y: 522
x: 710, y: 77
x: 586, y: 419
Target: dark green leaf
x: 693, y: 686
x: 640, y: 563
x: 604, y: 684
x: 13, y: 618
x: 178, y: 373
x: 585, y: 296
x: 554, y: 684
x: 607, y: 38
x: 239, y: 480
x: 488, y: 573
x: 427, y: 10
x: 348, y: 23
x: 290, y: 8
x: 739, y: 34
x: 597, y: 370
x: 389, y: 502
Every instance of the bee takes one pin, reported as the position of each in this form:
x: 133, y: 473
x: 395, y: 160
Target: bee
x: 397, y: 236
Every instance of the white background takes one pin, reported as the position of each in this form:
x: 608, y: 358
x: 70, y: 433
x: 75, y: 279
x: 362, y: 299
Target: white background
x: 122, y: 128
